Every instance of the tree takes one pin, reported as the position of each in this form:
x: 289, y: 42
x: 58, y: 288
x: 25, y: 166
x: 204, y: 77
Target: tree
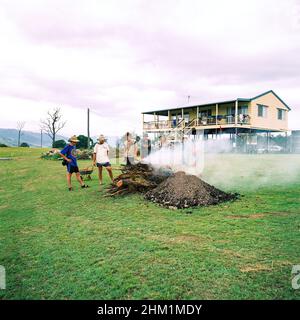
x: 59, y: 144
x: 83, y: 142
x: 53, y: 123
x: 20, y: 126
x: 24, y: 145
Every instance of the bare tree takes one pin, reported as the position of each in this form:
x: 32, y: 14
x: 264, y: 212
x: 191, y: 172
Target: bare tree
x: 20, y: 126
x: 53, y: 123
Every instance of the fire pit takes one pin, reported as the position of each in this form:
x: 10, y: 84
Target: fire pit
x: 174, y: 191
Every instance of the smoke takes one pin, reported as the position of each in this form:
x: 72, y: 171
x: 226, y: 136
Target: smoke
x: 216, y: 162
x: 187, y: 156
x: 251, y: 171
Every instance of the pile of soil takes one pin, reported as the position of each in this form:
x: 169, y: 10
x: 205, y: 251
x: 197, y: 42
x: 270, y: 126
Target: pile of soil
x: 138, y: 177
x: 183, y: 191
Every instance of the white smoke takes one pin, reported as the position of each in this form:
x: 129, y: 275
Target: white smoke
x: 187, y: 156
x: 217, y: 163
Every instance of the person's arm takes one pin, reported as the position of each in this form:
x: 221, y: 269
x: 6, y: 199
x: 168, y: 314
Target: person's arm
x: 63, y: 153
x: 135, y: 150
x: 125, y: 149
x: 94, y: 155
x: 64, y: 157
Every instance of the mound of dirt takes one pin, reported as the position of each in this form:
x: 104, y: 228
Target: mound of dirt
x: 182, y: 191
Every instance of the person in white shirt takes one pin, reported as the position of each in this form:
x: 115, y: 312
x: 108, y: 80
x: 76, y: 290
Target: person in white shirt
x: 100, y: 158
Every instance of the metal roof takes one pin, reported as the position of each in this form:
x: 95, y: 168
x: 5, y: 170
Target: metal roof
x: 165, y: 111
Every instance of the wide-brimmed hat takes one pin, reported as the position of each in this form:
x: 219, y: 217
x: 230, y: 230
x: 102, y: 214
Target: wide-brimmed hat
x: 101, y: 137
x: 73, y: 139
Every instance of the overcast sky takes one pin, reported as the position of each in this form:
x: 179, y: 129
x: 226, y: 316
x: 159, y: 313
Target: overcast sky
x: 123, y: 57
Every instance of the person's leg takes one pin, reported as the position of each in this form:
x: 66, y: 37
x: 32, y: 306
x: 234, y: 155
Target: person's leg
x: 69, y: 175
x: 109, y: 170
x: 100, y: 174
x: 79, y: 179
x: 130, y: 161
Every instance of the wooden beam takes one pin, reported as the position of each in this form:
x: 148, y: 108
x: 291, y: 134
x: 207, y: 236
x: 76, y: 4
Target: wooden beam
x: 236, y: 112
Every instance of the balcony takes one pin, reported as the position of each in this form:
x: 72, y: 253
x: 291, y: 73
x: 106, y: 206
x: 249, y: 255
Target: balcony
x: 243, y: 119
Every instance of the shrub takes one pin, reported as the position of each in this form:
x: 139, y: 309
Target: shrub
x: 53, y: 154
x: 84, y: 154
x: 2, y: 145
x: 24, y: 145
x: 83, y: 142
x: 60, y: 144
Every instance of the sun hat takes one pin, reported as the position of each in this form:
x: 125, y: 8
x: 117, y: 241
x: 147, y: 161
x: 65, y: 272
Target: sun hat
x: 101, y: 137
x: 73, y: 139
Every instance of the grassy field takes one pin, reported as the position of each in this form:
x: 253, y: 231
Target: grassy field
x: 81, y: 245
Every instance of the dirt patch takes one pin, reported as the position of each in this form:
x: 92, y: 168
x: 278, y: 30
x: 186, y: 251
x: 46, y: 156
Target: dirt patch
x: 263, y: 267
x: 246, y: 216
x: 184, y: 238
x: 182, y: 191
x: 256, y: 268
x: 257, y: 215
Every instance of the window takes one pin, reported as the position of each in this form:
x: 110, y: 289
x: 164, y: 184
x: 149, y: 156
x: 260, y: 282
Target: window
x: 186, y: 118
x: 281, y: 114
x: 205, y: 113
x: 243, y: 110
x: 230, y: 111
x: 262, y: 111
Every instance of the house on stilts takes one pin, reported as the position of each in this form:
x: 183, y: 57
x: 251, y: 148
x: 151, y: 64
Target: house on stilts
x: 242, y: 118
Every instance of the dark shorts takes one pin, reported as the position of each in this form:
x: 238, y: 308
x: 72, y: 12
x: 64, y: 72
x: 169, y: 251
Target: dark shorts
x: 103, y: 164
x: 72, y: 169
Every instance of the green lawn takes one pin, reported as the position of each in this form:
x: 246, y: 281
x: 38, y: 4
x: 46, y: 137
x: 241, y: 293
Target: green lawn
x: 81, y: 245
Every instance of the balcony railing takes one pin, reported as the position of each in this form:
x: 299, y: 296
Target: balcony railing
x: 203, y: 121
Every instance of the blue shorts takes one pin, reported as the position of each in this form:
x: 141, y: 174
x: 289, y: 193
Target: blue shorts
x: 103, y: 164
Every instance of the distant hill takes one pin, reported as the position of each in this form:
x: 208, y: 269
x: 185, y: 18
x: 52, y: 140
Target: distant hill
x: 10, y: 138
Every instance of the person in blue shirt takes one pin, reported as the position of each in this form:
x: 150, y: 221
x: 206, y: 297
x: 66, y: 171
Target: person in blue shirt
x: 68, y: 153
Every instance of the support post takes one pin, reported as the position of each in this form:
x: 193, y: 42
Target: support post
x: 197, y: 117
x: 235, y: 139
x: 236, y: 113
x: 41, y: 138
x: 88, y: 128
x: 217, y: 113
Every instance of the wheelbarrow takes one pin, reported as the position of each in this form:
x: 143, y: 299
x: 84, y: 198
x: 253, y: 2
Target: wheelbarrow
x: 85, y: 173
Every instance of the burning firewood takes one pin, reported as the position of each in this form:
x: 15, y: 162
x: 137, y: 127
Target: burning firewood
x: 137, y: 178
